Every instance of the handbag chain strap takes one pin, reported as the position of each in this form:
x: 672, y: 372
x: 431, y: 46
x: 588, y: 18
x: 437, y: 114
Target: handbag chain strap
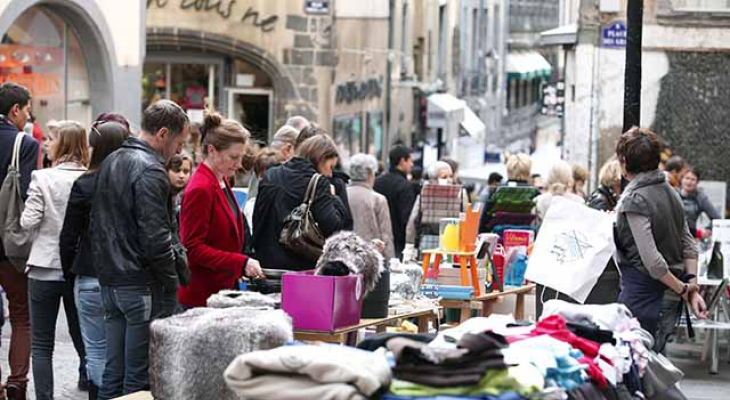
x: 311, y: 190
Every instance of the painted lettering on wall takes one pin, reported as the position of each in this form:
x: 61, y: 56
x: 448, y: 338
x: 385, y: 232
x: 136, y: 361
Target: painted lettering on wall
x: 225, y: 9
x: 266, y: 24
x: 350, y: 91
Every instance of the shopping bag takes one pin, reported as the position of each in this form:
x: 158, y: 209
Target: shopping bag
x: 572, y: 248
x: 16, y: 241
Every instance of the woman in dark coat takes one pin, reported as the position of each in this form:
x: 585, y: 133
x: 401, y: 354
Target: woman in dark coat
x: 283, y: 188
x: 75, y: 249
x: 655, y: 252
x: 605, y: 197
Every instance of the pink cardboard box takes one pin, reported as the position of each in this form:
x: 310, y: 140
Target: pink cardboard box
x: 322, y: 303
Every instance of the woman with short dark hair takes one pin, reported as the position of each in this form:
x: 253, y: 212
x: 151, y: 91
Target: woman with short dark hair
x: 75, y: 248
x: 655, y: 252
x: 283, y: 188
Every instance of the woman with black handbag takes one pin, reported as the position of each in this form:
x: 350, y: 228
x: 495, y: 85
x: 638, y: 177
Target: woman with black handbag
x: 290, y: 225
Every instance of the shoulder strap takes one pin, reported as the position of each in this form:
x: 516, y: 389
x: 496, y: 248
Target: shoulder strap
x: 15, y: 162
x: 311, y: 189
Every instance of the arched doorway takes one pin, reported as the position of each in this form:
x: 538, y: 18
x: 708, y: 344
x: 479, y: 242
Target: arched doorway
x: 49, y: 47
x: 246, y: 83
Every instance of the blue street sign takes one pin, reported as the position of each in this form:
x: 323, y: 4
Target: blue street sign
x: 614, y: 35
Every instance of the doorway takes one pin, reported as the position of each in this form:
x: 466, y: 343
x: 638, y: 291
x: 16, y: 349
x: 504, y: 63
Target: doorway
x: 253, y: 109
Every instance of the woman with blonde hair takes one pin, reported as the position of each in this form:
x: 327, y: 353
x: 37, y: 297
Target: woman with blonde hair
x: 45, y: 210
x: 559, y: 181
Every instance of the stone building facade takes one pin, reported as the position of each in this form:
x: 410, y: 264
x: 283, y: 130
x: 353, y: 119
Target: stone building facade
x: 686, y: 53
x: 77, y: 56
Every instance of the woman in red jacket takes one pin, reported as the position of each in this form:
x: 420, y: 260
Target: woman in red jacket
x: 211, y: 221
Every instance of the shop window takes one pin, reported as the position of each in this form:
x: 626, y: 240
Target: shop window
x: 347, y: 135
x: 374, y: 133
x: 700, y: 5
x: 187, y: 84
x: 42, y: 52
x: 247, y: 75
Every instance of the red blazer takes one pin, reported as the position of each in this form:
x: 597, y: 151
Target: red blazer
x: 213, y: 237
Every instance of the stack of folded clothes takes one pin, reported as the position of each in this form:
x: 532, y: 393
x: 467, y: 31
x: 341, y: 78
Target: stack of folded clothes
x: 473, y: 368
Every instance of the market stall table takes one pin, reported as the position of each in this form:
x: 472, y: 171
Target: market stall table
x: 485, y: 302
x: 719, y: 321
x: 348, y: 335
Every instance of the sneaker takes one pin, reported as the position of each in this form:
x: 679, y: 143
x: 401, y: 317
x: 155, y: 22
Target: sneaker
x: 83, y: 383
x: 15, y: 393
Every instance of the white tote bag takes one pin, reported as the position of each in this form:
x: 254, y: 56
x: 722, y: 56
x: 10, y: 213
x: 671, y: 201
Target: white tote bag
x: 572, y: 249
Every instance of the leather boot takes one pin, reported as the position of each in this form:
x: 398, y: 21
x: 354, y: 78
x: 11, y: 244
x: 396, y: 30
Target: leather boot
x: 15, y: 393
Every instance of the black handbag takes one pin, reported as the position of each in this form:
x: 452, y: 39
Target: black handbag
x: 301, y: 234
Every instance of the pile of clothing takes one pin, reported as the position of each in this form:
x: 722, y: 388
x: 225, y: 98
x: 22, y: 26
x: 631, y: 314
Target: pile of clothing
x: 295, y: 372
x: 574, y: 352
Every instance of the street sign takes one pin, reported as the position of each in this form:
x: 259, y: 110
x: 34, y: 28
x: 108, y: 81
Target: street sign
x: 614, y: 35
x: 317, y: 6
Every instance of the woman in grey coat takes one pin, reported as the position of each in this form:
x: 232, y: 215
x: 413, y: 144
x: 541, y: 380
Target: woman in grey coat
x: 369, y: 209
x: 695, y: 201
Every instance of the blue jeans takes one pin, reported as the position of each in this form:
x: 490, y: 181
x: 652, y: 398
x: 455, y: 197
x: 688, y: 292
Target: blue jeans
x: 128, y: 313
x: 45, y: 298
x: 91, y: 319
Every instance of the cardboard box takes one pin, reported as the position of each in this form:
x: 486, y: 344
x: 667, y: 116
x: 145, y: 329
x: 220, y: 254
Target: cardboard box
x: 322, y: 303
x: 452, y: 276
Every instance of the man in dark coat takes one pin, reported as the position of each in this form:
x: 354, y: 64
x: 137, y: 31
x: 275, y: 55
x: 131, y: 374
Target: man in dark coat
x: 131, y: 218
x: 396, y: 187
x: 14, y: 110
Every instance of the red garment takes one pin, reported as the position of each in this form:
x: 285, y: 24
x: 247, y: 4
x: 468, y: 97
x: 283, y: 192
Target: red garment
x: 38, y: 136
x: 555, y: 327
x: 213, y: 237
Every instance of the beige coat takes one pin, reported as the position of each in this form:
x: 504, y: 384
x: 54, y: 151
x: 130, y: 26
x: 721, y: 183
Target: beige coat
x: 45, y: 210
x: 371, y: 215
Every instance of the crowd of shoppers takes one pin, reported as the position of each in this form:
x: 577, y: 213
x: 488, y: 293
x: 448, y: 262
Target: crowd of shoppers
x: 127, y: 228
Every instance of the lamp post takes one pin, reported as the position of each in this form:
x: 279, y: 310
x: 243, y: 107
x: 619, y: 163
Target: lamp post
x: 632, y: 70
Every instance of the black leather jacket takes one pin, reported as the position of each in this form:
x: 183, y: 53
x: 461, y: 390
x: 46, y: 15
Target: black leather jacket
x: 131, y: 219
x: 603, y: 199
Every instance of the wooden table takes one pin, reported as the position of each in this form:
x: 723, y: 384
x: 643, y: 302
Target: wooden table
x: 485, y: 303
x: 348, y: 335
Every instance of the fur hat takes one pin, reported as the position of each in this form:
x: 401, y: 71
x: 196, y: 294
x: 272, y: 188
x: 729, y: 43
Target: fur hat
x: 346, y: 250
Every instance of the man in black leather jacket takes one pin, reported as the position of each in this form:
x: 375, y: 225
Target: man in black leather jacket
x: 132, y: 244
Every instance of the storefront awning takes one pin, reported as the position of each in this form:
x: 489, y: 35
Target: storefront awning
x: 561, y: 36
x: 527, y: 65
x: 444, y: 108
x: 472, y: 124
